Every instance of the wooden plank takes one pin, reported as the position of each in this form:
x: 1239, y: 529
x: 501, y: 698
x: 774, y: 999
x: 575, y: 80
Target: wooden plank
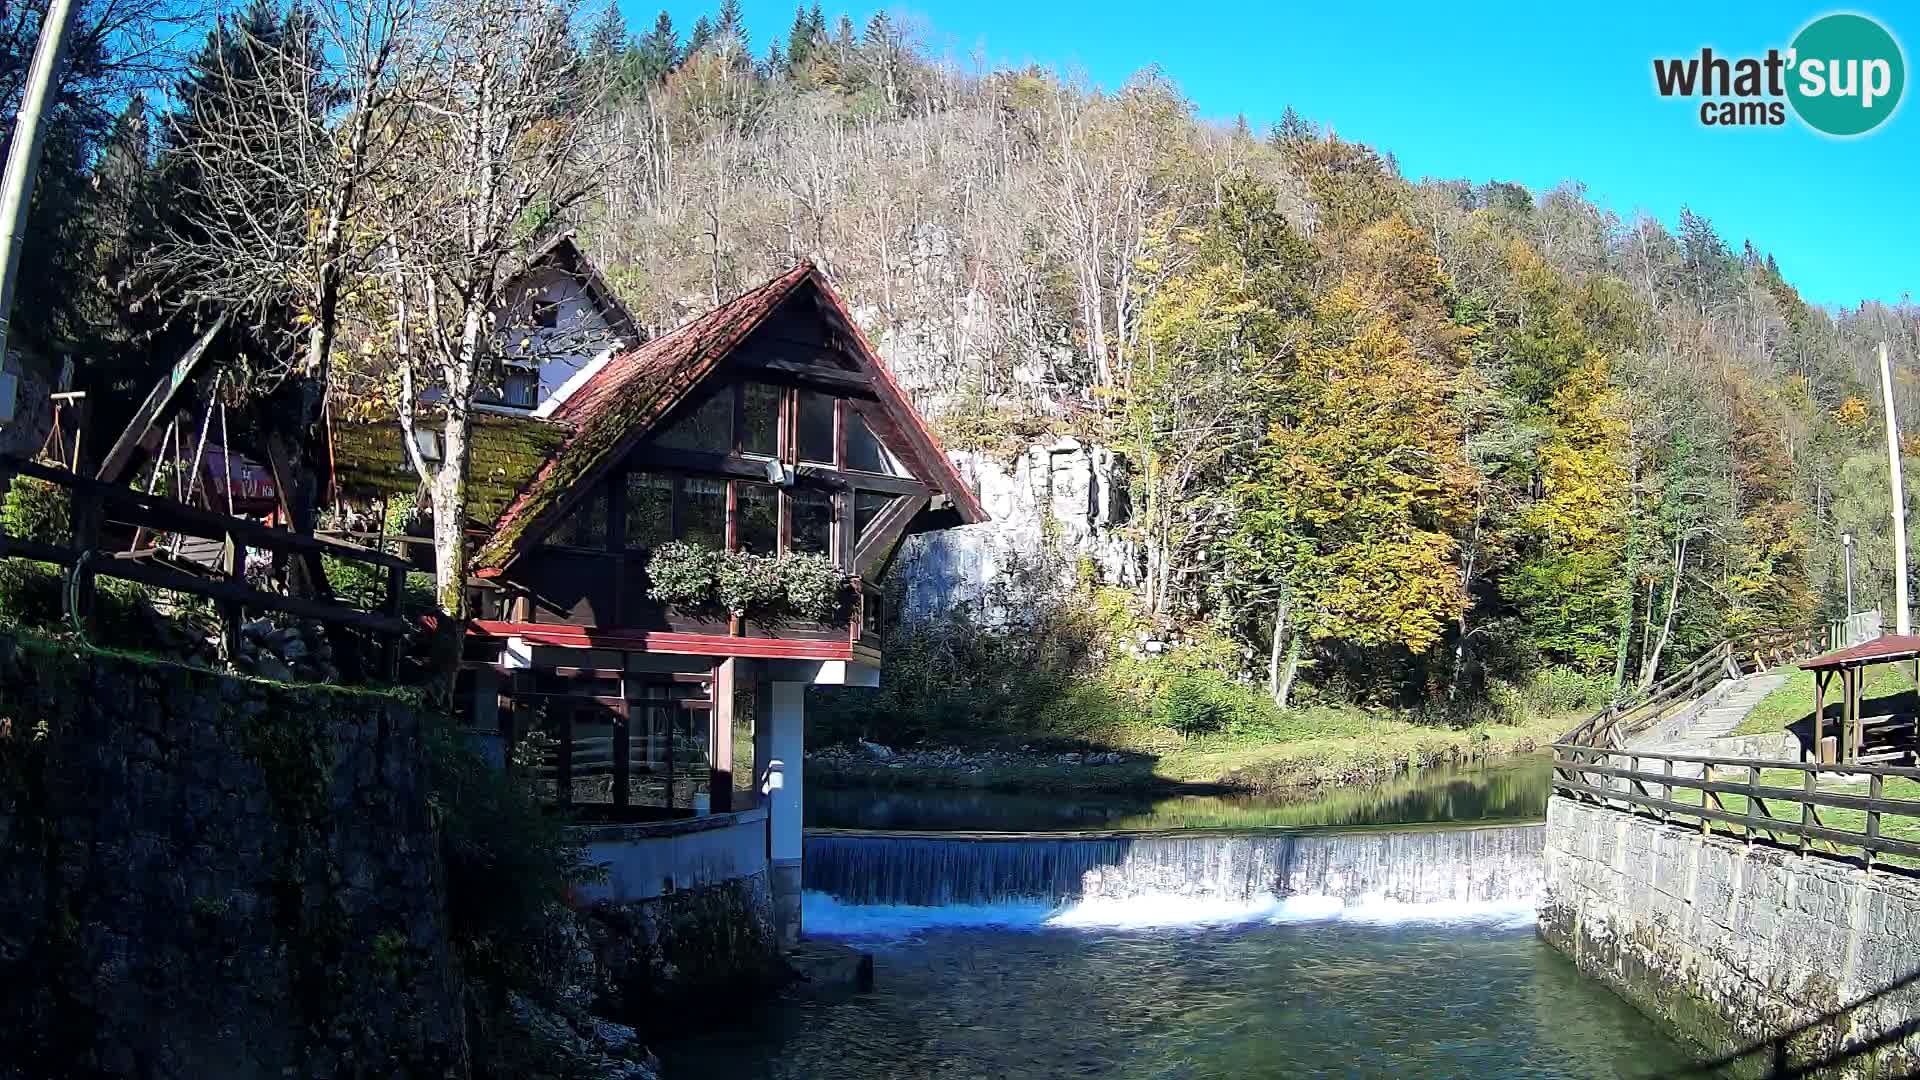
x: 1850, y: 839
x: 1836, y: 800
x: 161, y: 577
x: 884, y: 532
x: 36, y: 550
x: 158, y: 405
x: 171, y: 516
x: 835, y: 379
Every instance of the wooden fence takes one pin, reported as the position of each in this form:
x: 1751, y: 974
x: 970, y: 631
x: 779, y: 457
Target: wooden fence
x: 1866, y: 814
x: 96, y: 504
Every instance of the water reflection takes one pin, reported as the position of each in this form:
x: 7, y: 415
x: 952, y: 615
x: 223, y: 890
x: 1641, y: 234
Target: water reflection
x: 1270, y: 1001
x: 1510, y: 791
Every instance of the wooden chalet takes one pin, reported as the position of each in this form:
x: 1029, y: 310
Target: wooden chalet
x: 768, y: 425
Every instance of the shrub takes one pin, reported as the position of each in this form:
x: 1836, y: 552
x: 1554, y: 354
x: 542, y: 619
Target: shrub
x: 30, y: 592
x: 1564, y: 690
x: 815, y: 588
x: 36, y: 509
x: 1188, y: 705
x: 750, y: 584
x: 507, y: 861
x: 683, y: 575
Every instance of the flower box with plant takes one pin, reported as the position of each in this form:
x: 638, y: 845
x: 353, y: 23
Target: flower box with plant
x: 694, y: 579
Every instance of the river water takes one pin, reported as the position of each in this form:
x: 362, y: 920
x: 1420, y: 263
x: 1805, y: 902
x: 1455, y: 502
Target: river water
x: 1373, y: 951
x: 1509, y: 791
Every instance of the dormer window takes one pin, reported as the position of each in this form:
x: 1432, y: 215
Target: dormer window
x: 546, y: 314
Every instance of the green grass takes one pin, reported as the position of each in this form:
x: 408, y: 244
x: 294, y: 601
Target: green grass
x: 1890, y: 689
x: 1892, y: 826
x: 1300, y: 748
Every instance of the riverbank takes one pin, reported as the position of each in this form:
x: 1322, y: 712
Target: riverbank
x: 1355, y: 751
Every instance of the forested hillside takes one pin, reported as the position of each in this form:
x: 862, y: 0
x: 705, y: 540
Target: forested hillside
x: 1423, y: 429
x: 1412, y: 435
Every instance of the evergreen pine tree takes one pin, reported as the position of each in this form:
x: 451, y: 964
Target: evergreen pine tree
x: 659, y: 51
x: 607, y: 38
x: 799, y: 40
x: 731, y: 21
x: 701, y: 36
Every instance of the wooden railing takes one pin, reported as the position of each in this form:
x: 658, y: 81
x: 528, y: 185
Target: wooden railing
x: 1792, y: 803
x: 1867, y: 814
x: 96, y: 504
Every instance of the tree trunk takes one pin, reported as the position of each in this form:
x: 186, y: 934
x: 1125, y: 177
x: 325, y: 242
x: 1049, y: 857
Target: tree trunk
x: 1288, y: 671
x: 1651, y: 666
x: 1281, y: 628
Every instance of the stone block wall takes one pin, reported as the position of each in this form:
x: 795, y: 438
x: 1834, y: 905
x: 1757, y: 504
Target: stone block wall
x: 1732, y: 945
x: 207, y: 877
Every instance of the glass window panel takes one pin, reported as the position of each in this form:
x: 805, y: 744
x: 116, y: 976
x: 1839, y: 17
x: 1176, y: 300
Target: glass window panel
x: 761, y: 434
x: 709, y: 427
x: 586, y: 524
x: 812, y: 521
x: 864, y: 450
x: 649, y: 509
x: 867, y: 506
x: 758, y: 527
x: 816, y: 427
x: 704, y: 512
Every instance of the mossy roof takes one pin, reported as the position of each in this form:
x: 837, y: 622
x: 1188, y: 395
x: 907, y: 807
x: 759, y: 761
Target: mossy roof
x: 623, y: 399
x: 637, y: 388
x: 369, y: 459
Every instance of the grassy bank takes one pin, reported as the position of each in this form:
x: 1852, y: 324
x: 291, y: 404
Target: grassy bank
x: 1329, y: 747
x: 1889, y: 689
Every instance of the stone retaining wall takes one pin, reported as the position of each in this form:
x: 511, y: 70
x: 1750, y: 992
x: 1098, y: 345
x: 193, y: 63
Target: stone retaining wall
x: 1730, y: 944
x: 210, y: 877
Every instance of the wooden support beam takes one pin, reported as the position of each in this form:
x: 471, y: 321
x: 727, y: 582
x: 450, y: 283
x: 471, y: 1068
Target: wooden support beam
x: 720, y: 737
x: 159, y: 404
x: 884, y: 532
x: 161, y: 577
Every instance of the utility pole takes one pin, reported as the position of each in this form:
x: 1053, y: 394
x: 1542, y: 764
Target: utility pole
x: 23, y: 157
x: 1846, y: 549
x: 1902, y: 623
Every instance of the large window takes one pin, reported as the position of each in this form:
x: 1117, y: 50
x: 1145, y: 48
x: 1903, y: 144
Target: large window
x: 867, y: 506
x: 812, y: 520
x: 708, y: 427
x: 865, y: 451
x: 760, y: 430
x: 816, y: 427
x: 649, y: 509
x: 586, y: 524
x: 757, y: 524
x: 704, y: 512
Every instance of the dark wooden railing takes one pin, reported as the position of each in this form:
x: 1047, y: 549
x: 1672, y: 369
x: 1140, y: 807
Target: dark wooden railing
x: 1866, y: 814
x: 95, y: 504
x: 1781, y: 802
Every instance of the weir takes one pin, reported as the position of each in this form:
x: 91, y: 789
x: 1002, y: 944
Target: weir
x: 1496, y: 864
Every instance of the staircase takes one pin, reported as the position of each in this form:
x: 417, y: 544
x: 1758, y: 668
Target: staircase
x: 1724, y: 715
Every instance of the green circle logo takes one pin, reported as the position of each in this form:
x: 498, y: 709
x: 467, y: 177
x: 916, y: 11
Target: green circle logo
x: 1847, y: 74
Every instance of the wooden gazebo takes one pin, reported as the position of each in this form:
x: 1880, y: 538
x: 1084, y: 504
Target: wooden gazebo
x: 1849, y: 665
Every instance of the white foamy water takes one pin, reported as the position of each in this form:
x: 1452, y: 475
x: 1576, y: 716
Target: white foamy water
x: 824, y: 915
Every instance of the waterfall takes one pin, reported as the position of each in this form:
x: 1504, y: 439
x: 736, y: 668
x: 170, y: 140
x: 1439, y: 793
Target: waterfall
x: 1198, y: 873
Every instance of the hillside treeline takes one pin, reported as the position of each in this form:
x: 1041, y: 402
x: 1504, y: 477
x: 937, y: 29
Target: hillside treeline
x: 1414, y: 431
x: 1404, y: 435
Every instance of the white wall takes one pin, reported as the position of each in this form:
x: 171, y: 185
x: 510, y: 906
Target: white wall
x: 645, y: 861
x: 582, y: 332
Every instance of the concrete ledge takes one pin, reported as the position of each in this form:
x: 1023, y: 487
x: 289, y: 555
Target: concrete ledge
x: 1732, y: 944
x: 654, y: 830
x: 663, y: 857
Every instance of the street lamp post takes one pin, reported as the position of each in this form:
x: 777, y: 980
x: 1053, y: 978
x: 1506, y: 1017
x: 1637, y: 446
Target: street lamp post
x: 1846, y: 547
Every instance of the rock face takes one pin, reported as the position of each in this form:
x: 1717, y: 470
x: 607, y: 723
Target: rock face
x: 1056, y: 506
x: 210, y: 877
x: 1736, y: 945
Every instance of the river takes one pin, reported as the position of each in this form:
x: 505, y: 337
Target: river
x: 1102, y: 948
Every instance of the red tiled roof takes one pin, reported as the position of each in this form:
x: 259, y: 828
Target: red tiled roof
x: 634, y: 389
x: 1885, y: 648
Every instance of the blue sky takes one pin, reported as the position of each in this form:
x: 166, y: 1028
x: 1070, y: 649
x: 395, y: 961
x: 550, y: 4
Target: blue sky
x: 1532, y: 93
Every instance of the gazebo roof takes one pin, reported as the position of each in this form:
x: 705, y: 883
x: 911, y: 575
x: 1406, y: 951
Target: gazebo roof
x: 1884, y: 649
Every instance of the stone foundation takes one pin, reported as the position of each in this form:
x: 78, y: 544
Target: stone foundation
x: 1732, y: 945
x: 205, y: 877
x: 786, y: 901
x: 681, y: 956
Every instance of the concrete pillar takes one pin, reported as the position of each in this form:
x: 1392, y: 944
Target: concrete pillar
x: 786, y: 717
x: 483, y: 732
